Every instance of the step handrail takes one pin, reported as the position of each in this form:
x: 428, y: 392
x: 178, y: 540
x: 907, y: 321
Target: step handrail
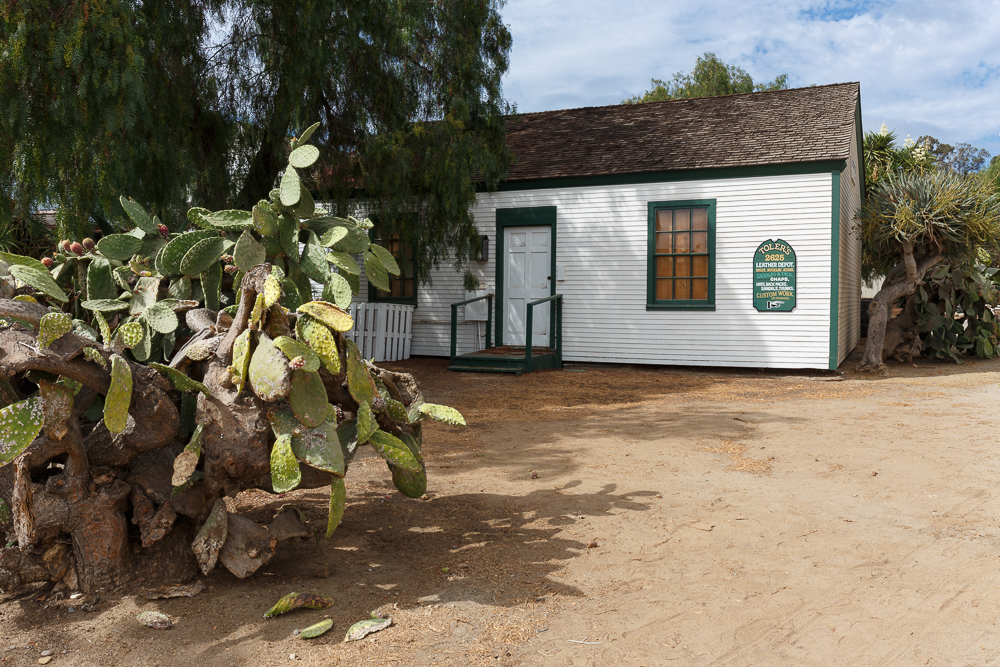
x: 454, y: 323
x: 555, y: 329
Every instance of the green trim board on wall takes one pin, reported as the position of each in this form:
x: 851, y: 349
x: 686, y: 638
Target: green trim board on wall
x: 835, y: 270
x: 536, y: 216
x: 651, y: 254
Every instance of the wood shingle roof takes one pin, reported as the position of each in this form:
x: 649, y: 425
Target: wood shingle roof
x: 766, y: 128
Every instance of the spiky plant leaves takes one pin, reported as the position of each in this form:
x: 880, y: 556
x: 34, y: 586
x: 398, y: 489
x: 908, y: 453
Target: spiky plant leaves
x: 264, y: 221
x: 288, y: 236
x: 338, y: 290
x: 412, y: 484
x: 376, y: 273
x: 53, y: 326
x: 307, y: 397
x: 180, y: 381
x: 306, y: 207
x: 162, y: 318
x: 105, y: 305
x: 291, y: 188
x: 318, y: 337
x: 393, y: 450
x: 319, y: 446
x: 258, y: 312
x: 38, y: 279
x: 355, y: 282
x: 293, y: 348
x: 362, y: 629
x: 329, y: 314
x: 144, y: 350
x: 248, y: 253
x: 212, y: 536
x: 386, y: 258
x: 144, y: 295
x: 294, y: 601
x: 396, y: 411
x: 187, y: 460
x: 306, y: 134
x: 367, y: 424
x: 320, y: 628
x: 121, y: 275
x: 359, y: 382
x: 158, y: 260
x: 241, y: 359
x: 177, y: 248
x: 95, y: 356
x: 10, y: 259
x: 231, y: 220
x: 356, y: 241
x: 138, y: 215
x: 285, y: 472
x: 20, y: 423
x: 202, y: 254
x: 313, y: 261
x: 119, y: 247
x: 129, y: 334
x: 100, y: 282
x: 442, y: 413
x: 302, y: 157
x: 119, y: 397
x: 202, y: 349
x: 333, y: 236
x: 268, y: 371
x: 211, y: 285
x: 344, y: 262
x: 338, y: 499
x: 272, y: 290
x: 105, y: 329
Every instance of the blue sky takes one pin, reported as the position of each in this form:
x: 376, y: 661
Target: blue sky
x: 924, y: 67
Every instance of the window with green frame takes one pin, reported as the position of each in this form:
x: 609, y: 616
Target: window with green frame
x: 681, y: 266
x: 402, y: 288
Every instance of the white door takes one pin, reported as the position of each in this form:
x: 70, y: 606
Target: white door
x: 527, y: 276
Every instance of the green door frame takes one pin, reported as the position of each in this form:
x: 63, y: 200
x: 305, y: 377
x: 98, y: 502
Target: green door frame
x: 536, y: 216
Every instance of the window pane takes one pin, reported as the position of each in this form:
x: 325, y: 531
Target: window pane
x: 699, y: 218
x: 664, y: 289
x: 700, y: 241
x: 699, y: 266
x: 699, y: 289
x: 663, y: 221
x: 663, y: 242
x: 682, y: 242
x: 683, y: 267
x: 682, y: 219
x: 664, y: 267
x: 682, y: 288
x: 407, y: 288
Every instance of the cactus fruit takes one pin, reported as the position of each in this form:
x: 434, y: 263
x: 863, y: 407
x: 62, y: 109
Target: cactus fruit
x: 65, y: 243
x: 47, y: 262
x: 366, y: 423
x: 187, y: 460
x: 285, y: 472
x: 299, y: 601
x: 20, y: 423
x: 293, y: 349
x: 338, y: 499
x: 316, y: 630
x: 53, y: 326
x: 442, y: 413
x: 296, y: 363
x: 307, y: 398
x: 329, y: 314
x: 230, y: 269
x: 40, y: 279
x: 180, y: 381
x: 268, y: 372
x: 89, y: 244
x: 362, y: 629
x: 119, y: 397
x: 393, y: 450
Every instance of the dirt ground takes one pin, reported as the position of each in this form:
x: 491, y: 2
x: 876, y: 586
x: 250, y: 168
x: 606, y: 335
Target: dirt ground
x: 623, y: 516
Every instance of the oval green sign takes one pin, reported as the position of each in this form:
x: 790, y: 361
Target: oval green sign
x: 774, y: 277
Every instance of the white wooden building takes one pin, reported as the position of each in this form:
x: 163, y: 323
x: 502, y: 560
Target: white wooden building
x: 586, y: 213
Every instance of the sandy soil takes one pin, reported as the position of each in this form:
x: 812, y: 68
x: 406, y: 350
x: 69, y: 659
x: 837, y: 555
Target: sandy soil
x: 624, y: 516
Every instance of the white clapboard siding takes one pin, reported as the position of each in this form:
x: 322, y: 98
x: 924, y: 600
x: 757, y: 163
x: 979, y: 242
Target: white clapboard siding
x: 849, y: 319
x: 601, y: 239
x: 382, y: 331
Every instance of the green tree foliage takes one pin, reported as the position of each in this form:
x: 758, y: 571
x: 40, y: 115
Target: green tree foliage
x: 884, y: 159
x: 961, y: 158
x: 192, y: 104
x: 710, y: 76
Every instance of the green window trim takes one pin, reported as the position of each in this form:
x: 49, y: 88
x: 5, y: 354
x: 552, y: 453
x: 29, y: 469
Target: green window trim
x: 373, y: 293
x: 651, y: 255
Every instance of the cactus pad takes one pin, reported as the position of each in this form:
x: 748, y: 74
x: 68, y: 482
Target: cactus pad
x: 241, y: 359
x: 100, y: 282
x: 376, y: 273
x: 318, y: 447
x: 119, y: 396
x: 306, y: 134
x: 201, y: 255
x: 38, y: 279
x: 231, y: 220
x: 144, y: 295
x: 338, y: 499
x: 202, y: 349
x: 248, y: 253
x: 105, y: 329
x: 263, y: 220
x: 180, y: 381
x: 208, y: 543
x: 303, y: 156
x: 19, y: 425
x: 285, y: 472
x: 409, y: 483
x: 187, y: 460
x: 329, y: 314
x: 306, y: 207
x: 180, y: 288
x: 105, y: 305
x: 397, y: 411
x: 257, y: 312
x: 386, y: 258
x: 138, y: 215
x: 93, y: 355
x: 129, y: 334
x: 307, y: 398
x: 338, y: 290
x: 313, y: 260
x: 175, y: 251
x: 318, y: 629
x: 211, y: 285
x: 393, y: 450
x: 366, y: 423
x: 299, y: 601
x: 321, y: 340
x: 291, y: 188
x: 288, y: 236
x: 362, y: 629
x: 333, y: 236
x: 293, y: 348
x: 359, y: 382
x: 268, y: 371
x: 442, y: 413
x: 161, y: 318
x: 119, y: 247
x: 272, y: 290
x: 52, y: 327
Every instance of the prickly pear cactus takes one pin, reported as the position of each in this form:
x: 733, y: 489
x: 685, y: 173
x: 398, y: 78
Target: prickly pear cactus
x: 161, y: 318
x: 359, y: 381
x: 338, y: 499
x: 180, y: 381
x: 442, y: 413
x: 294, y: 601
x: 187, y: 460
x: 241, y: 360
x: 316, y: 630
x: 129, y: 335
x: 285, y: 472
x: 269, y: 374
x: 307, y: 397
x: 52, y: 327
x: 412, y: 484
x: 119, y: 398
x: 294, y: 349
x: 329, y: 314
x: 366, y: 423
x: 322, y: 341
x: 392, y: 449
x: 20, y: 423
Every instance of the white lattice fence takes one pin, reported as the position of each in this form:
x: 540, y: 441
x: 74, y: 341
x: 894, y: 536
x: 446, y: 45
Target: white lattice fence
x: 382, y: 330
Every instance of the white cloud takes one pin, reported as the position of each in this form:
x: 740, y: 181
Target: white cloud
x: 924, y: 67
